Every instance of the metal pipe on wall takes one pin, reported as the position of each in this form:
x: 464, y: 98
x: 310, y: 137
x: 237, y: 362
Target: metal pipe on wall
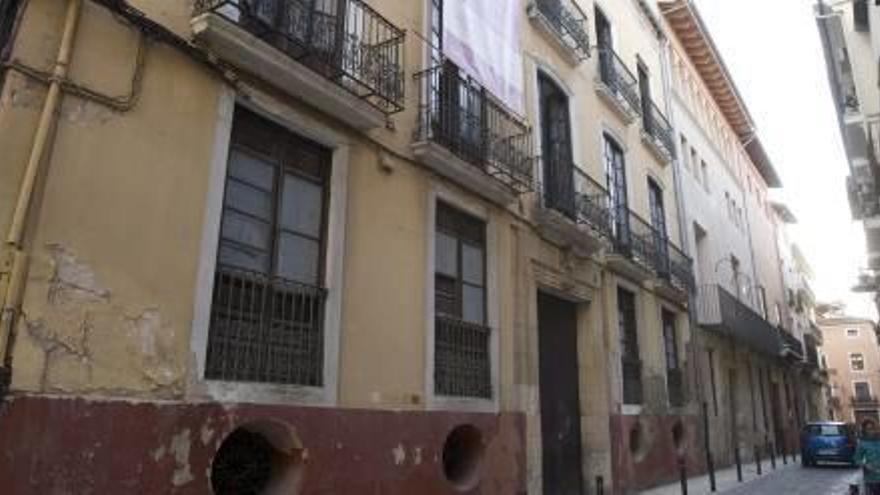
x: 16, y: 261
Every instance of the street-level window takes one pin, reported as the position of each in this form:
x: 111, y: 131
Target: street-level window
x: 629, y: 347
x: 674, y: 375
x: 852, y: 333
x: 857, y: 361
x: 267, y: 312
x: 461, y: 336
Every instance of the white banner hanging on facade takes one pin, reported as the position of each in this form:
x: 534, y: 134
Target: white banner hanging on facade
x: 482, y: 38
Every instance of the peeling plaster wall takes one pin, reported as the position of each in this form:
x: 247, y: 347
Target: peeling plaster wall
x: 114, y: 234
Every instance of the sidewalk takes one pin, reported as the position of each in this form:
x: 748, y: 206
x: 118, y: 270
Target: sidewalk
x: 725, y: 479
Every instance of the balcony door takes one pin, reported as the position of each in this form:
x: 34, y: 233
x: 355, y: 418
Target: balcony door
x: 645, y: 93
x: 615, y: 173
x: 556, y: 144
x: 658, y: 222
x: 603, y: 31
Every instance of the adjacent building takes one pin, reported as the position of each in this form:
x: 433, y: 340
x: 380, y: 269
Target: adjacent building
x: 349, y: 246
x: 852, y: 353
x: 850, y: 34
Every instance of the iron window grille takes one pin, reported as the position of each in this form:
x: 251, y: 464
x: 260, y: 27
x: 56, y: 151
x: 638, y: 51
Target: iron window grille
x: 569, y: 22
x: 462, y: 360
x: 658, y: 127
x: 267, y: 313
x: 459, y: 114
x: 675, y: 387
x: 619, y: 79
x: 345, y: 41
x: 634, y: 238
x: 631, y: 363
x: 674, y: 373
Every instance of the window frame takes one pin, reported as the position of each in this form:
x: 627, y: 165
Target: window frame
x: 856, y: 333
x: 437, y: 402
x: 851, y: 361
x: 867, y: 383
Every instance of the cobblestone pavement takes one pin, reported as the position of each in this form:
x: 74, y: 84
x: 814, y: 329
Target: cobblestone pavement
x: 790, y: 479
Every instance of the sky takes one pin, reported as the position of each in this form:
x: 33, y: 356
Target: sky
x: 773, y: 50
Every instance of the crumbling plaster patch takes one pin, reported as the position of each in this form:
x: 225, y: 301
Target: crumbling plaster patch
x: 93, y: 342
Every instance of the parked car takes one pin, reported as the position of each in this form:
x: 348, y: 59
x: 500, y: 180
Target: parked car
x: 829, y: 441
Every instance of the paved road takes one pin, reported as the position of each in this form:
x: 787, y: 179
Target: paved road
x: 800, y: 481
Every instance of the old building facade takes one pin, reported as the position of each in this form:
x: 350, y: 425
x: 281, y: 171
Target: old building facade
x: 347, y: 246
x: 852, y: 353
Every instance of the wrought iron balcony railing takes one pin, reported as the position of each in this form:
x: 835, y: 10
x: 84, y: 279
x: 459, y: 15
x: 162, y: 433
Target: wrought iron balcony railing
x: 462, y: 365
x: 265, y: 329
x: 618, y: 78
x: 865, y: 401
x: 570, y: 191
x: 657, y: 127
x: 635, y: 238
x: 632, y: 381
x: 791, y: 345
x: 721, y: 311
x: 569, y: 23
x: 675, y: 387
x: 459, y: 114
x: 674, y: 266
x: 344, y: 40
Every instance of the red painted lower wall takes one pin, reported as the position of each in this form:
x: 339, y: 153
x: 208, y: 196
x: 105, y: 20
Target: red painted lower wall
x: 75, y: 446
x: 656, y: 461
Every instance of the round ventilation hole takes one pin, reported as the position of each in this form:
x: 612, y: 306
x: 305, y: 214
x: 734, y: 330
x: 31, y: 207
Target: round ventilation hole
x: 261, y: 458
x: 462, y: 454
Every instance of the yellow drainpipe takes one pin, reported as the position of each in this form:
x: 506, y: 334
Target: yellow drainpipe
x: 16, y: 265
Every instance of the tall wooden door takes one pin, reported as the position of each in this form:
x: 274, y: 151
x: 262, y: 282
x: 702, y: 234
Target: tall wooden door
x: 560, y: 401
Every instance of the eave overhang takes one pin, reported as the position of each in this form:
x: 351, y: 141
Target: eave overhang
x: 687, y: 25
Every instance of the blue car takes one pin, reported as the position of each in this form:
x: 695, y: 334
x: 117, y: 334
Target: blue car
x: 827, y: 441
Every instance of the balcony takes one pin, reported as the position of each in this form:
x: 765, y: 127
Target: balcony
x: 466, y: 135
x: 340, y: 56
x: 675, y: 271
x: 617, y: 86
x: 657, y: 133
x: 720, y: 311
x: 564, y: 24
x: 792, y: 347
x: 635, y: 245
x: 265, y: 329
x: 865, y: 402
x: 574, y: 210
x: 462, y: 365
x: 675, y: 387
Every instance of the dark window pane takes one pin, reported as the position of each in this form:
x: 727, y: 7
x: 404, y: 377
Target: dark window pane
x: 251, y: 169
x: 473, y: 304
x: 446, y: 248
x: 248, y: 259
x: 246, y: 230
x: 298, y: 258
x: 445, y: 297
x: 248, y: 199
x: 472, y: 264
x: 301, y: 207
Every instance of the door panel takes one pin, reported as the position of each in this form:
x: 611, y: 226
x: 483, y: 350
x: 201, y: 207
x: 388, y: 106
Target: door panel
x: 560, y: 403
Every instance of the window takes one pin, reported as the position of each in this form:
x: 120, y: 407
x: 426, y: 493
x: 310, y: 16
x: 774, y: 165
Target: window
x: 461, y: 337
x: 670, y: 340
x: 645, y: 95
x: 762, y: 377
x: 852, y: 333
x: 629, y: 347
x: 267, y: 312
x: 556, y: 144
x: 658, y: 221
x: 857, y: 361
x: 436, y: 32
x: 615, y: 173
x: 685, y: 163
x: 603, y: 30
x: 862, y: 390
x: 704, y: 173
x: 695, y: 163
x: 752, y: 396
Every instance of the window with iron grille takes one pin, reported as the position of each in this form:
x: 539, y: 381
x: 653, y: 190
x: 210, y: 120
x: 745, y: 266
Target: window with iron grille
x: 556, y: 144
x: 629, y: 346
x: 267, y: 315
x: 8, y: 16
x: 857, y: 361
x: 674, y: 373
x: 615, y: 174
x: 462, y: 365
x: 862, y: 390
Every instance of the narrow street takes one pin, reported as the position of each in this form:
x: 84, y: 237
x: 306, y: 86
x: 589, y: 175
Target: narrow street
x: 791, y: 479
x: 825, y: 480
